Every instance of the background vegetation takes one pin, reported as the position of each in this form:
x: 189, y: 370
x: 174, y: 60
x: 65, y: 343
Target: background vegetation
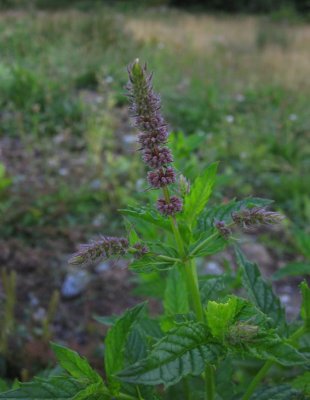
x: 234, y: 87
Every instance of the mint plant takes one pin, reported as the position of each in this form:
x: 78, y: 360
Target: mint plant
x: 207, y: 343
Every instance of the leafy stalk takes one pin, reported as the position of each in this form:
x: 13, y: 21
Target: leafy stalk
x: 268, y: 364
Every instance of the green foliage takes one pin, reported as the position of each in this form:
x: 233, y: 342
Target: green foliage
x: 76, y: 366
x: 176, y: 298
x: 305, y: 306
x: 292, y: 269
x: 184, y: 351
x: 279, y: 392
x: 220, y: 316
x: 115, y: 344
x: 199, y: 195
x: 260, y: 293
x: 202, y: 331
x: 302, y: 383
x: 56, y: 388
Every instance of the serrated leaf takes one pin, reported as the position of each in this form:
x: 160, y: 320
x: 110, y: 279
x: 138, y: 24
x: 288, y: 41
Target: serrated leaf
x: 220, y: 316
x: 212, y: 288
x: 149, y: 263
x: 136, y: 347
x: 56, y: 388
x: 279, y: 392
x: 305, y: 305
x: 95, y: 391
x: 108, y: 320
x: 176, y: 299
x: 292, y: 269
x: 261, y: 293
x: 184, y: 351
x: 199, y: 195
x: 209, y: 242
x: 148, y: 215
x: 276, y: 350
x: 74, y: 364
x: 115, y: 343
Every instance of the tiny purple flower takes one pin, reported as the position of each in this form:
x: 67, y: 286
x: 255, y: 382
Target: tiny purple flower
x: 105, y: 247
x: 250, y: 217
x: 223, y: 229
x: 169, y: 208
x: 157, y: 156
x: 161, y: 177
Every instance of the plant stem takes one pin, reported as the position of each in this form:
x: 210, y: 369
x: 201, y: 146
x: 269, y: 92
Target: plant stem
x: 193, y: 293
x: 268, y: 364
x: 258, y: 377
x: 193, y: 289
x: 210, y: 382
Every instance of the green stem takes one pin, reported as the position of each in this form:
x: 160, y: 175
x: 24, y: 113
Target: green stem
x: 268, y: 364
x: 210, y: 382
x: 257, y: 379
x: 193, y: 289
x: 193, y: 292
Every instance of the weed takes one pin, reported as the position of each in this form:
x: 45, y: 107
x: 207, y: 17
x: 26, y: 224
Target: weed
x: 180, y: 353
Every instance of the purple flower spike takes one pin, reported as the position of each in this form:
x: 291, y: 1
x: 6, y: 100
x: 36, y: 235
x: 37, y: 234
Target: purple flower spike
x: 145, y: 107
x: 157, y: 157
x: 161, y: 177
x: 145, y: 110
x: 251, y: 217
x: 169, y: 208
x: 105, y: 247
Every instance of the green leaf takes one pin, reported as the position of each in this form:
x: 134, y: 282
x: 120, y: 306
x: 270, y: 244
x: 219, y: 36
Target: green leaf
x: 292, y: 269
x: 275, y: 349
x: 213, y: 287
x: 74, y: 364
x: 56, y: 388
x: 176, y: 299
x: 95, y: 391
x: 136, y: 348
x: 261, y: 293
x: 302, y: 240
x: 279, y: 392
x: 149, y: 263
x: 115, y: 343
x: 184, y: 351
x: 305, y: 305
x: 160, y: 258
x: 147, y: 215
x: 209, y: 242
x: 302, y: 383
x: 199, y: 195
x: 220, y: 316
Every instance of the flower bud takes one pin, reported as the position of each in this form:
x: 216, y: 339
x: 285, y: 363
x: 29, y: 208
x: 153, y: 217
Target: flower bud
x: 157, y: 156
x: 105, y: 247
x: 169, y: 208
x: 161, y: 177
x: 251, y: 217
x: 223, y: 229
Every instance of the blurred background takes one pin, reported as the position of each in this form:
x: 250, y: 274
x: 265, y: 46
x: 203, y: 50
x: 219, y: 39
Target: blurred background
x: 234, y: 81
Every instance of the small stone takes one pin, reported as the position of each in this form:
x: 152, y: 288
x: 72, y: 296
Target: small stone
x: 213, y: 268
x: 129, y: 139
x: 74, y: 284
x: 102, y: 267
